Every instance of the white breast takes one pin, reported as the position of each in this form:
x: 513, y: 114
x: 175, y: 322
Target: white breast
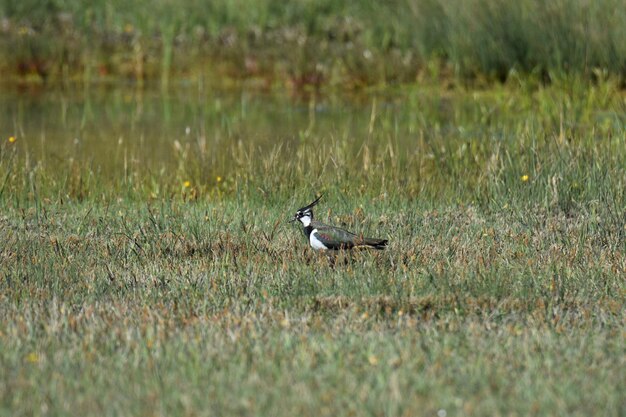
x: 315, y: 243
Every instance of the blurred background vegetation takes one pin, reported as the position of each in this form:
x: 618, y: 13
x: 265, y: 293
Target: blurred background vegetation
x: 313, y: 43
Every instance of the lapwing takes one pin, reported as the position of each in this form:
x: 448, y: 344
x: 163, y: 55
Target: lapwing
x: 324, y: 237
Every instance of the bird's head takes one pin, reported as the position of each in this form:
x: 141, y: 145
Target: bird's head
x: 305, y: 214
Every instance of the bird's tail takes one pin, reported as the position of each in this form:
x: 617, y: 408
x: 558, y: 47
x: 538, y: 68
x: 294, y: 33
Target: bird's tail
x: 374, y: 243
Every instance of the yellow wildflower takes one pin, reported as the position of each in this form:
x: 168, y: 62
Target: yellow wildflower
x: 524, y: 178
x: 32, y: 357
x: 12, y: 139
x: 219, y: 179
x: 187, y: 184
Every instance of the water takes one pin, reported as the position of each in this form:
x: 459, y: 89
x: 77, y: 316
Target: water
x: 114, y: 129
x: 116, y: 125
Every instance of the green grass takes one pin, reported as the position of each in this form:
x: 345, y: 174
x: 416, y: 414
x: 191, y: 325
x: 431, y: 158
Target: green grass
x: 331, y: 42
x: 496, y: 296
x: 167, y: 310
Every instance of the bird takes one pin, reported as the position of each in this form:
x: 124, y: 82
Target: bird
x: 324, y: 237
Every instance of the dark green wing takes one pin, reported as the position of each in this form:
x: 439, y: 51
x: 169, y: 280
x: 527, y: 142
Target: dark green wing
x: 334, y: 237
x: 337, y: 238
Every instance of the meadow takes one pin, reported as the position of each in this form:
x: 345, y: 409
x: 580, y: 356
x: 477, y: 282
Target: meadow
x: 148, y: 267
x: 152, y: 153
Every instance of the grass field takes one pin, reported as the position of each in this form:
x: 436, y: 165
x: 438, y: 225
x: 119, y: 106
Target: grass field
x: 166, y: 291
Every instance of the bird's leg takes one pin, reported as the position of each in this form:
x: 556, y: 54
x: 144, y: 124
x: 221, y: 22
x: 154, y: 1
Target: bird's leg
x: 331, y: 257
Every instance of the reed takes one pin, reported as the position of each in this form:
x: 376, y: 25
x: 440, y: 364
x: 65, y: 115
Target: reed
x: 326, y: 43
